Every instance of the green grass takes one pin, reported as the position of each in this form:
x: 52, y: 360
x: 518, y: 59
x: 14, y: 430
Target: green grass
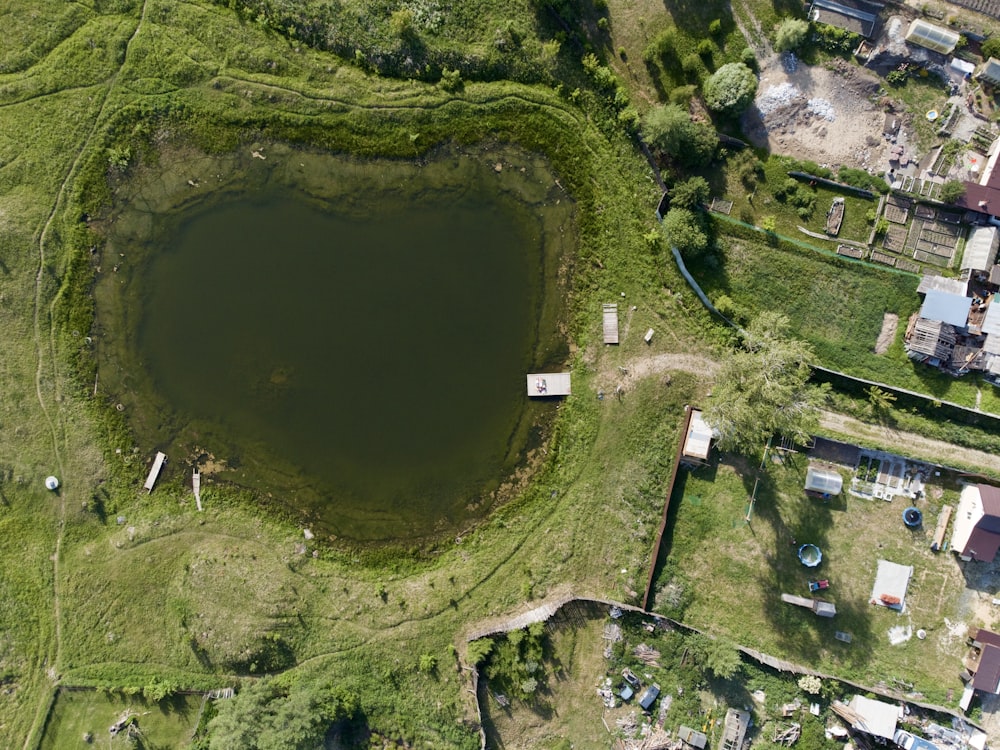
x: 164, y: 725
x: 835, y: 305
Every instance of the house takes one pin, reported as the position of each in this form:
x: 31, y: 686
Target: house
x: 977, y: 523
x: 989, y: 72
x: 648, y: 697
x: 692, y: 738
x: 734, y: 729
x: 825, y: 482
x: 933, y: 37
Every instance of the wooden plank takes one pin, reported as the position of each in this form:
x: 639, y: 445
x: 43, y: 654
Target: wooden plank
x: 196, y: 486
x: 542, y: 384
x: 154, y: 472
x: 942, y: 527
x: 611, y: 323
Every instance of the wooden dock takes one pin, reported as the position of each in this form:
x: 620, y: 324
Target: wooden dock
x: 154, y: 472
x: 542, y: 384
x: 611, y: 323
x: 196, y: 486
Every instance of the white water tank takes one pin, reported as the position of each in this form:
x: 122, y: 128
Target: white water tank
x: 51, y: 483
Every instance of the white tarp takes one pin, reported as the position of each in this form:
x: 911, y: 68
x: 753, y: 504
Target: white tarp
x: 891, y: 581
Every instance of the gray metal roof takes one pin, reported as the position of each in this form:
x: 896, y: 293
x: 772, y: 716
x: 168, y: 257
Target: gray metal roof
x: 981, y: 249
x: 952, y: 309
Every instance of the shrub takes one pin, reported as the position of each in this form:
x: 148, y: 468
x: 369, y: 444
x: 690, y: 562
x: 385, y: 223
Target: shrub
x: 749, y: 58
x: 682, y: 95
x: 791, y: 34
x: 991, y: 47
x: 730, y: 89
x: 683, y: 229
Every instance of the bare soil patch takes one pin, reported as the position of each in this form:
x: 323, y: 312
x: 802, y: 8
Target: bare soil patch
x: 890, y: 321
x: 827, y: 114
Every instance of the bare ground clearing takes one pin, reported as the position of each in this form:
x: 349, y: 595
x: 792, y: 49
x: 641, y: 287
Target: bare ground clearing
x: 822, y: 113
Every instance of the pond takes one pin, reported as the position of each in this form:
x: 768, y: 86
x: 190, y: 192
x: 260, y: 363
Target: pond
x: 348, y: 339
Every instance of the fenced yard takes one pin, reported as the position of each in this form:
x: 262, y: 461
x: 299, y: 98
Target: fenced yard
x: 717, y: 557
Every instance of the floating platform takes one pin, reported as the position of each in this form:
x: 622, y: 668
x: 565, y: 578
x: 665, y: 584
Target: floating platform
x: 542, y: 384
x: 154, y: 472
x: 611, y: 323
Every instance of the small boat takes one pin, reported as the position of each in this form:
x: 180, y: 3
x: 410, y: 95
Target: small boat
x: 835, y: 217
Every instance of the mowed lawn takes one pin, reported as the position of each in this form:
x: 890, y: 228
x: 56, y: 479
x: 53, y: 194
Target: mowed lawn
x: 733, y: 574
x: 78, y: 713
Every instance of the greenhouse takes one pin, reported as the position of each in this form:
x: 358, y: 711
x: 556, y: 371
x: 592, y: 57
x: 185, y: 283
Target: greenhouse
x: 932, y: 37
x: 823, y: 481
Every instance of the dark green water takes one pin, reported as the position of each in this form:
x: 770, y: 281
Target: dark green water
x: 365, y: 367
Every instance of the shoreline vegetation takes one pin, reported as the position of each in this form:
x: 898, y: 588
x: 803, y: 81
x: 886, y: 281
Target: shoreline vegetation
x: 106, y: 586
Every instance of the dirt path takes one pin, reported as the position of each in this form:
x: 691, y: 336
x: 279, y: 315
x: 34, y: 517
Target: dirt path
x: 935, y: 451
x: 913, y: 444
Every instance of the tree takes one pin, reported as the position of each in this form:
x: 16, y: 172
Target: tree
x: 670, y: 130
x: 683, y: 229
x: 792, y: 32
x: 264, y: 716
x: 730, y: 89
x: 762, y: 389
x: 691, y: 193
x: 718, y: 655
x: 952, y: 190
x: 991, y: 47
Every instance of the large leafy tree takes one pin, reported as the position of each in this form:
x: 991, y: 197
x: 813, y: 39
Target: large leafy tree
x: 763, y: 390
x: 684, y: 230
x: 670, y: 129
x: 730, y: 89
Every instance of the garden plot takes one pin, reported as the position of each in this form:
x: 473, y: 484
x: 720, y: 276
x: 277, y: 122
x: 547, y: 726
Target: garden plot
x: 933, y: 241
x: 886, y: 476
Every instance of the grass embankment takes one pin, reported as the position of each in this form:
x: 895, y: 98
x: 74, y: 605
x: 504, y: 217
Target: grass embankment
x: 166, y: 598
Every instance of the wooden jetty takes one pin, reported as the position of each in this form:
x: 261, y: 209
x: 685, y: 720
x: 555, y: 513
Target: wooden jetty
x: 541, y: 384
x: 611, y: 323
x: 154, y: 472
x: 196, y: 486
x: 835, y: 217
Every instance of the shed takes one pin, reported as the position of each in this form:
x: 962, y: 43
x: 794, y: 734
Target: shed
x: 852, y: 15
x: 991, y: 321
x: 891, y: 582
x: 649, y: 696
x: 692, y: 737
x: 931, y: 338
x: 734, y: 729
x: 932, y: 37
x: 952, y: 309
x: 824, y: 481
x: 981, y: 249
x: 987, y: 677
x: 699, y: 437
x: 990, y: 72
x: 940, y: 283
x: 874, y: 717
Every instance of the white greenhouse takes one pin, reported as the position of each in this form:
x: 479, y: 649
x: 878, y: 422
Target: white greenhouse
x: 823, y: 481
x: 932, y: 37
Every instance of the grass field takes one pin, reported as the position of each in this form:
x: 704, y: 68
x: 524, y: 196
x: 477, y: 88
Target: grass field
x: 164, y: 725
